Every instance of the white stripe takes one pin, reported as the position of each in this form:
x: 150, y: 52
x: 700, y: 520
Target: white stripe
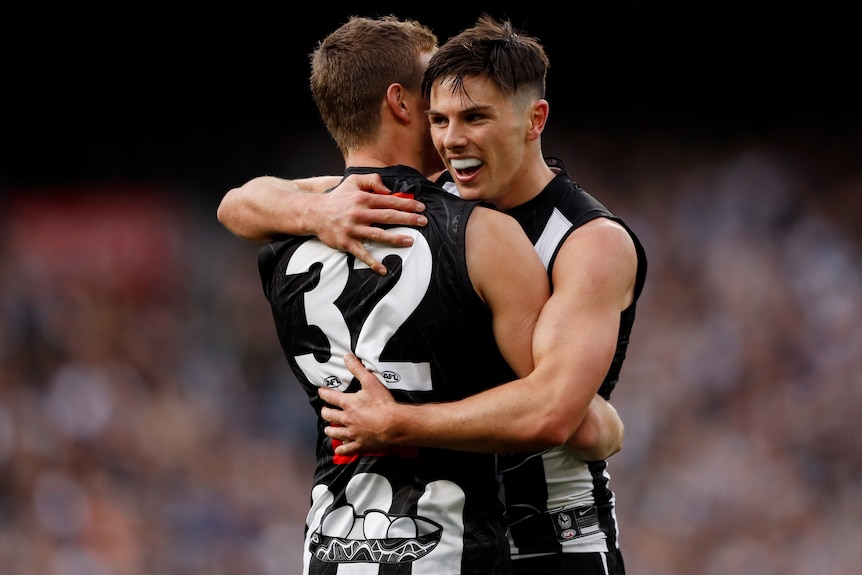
x: 451, y: 188
x: 553, y: 233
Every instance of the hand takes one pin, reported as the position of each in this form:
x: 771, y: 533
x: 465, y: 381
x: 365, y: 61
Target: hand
x: 351, y: 211
x: 360, y: 420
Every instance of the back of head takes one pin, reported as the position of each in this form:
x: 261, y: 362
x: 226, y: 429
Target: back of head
x: 352, y: 68
x: 514, y: 61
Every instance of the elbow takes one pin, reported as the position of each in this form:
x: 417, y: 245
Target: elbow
x: 594, y: 443
x: 554, y: 431
x: 232, y: 214
x: 226, y: 209
x: 618, y: 444
x: 222, y: 212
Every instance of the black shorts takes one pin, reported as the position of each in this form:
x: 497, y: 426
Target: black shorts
x: 610, y: 563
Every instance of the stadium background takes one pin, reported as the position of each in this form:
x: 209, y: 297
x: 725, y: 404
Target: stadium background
x: 147, y: 419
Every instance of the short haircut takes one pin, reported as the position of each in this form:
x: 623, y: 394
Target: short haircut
x: 352, y: 68
x: 514, y: 61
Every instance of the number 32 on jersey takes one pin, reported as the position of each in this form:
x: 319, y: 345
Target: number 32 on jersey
x: 347, y: 291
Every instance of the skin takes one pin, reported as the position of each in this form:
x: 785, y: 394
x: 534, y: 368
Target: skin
x: 266, y: 206
x: 515, y: 299
x: 487, y: 126
x: 575, y: 337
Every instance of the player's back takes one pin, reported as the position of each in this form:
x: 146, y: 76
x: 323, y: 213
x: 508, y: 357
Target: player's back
x: 428, y: 334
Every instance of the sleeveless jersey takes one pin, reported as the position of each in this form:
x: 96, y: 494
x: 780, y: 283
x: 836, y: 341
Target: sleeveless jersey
x: 556, y: 503
x: 427, y: 335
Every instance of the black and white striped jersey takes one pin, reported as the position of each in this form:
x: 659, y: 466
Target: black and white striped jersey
x: 556, y: 503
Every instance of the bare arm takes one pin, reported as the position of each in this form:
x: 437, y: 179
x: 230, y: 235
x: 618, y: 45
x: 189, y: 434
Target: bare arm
x: 600, y: 434
x: 573, y: 345
x: 266, y: 207
x: 509, y: 276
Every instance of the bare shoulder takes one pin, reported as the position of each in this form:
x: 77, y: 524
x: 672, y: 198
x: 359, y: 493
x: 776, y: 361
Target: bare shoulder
x: 499, y: 250
x: 600, y: 238
x: 598, y: 257
x: 493, y: 220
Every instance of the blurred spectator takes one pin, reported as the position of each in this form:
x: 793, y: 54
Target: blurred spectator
x: 148, y: 424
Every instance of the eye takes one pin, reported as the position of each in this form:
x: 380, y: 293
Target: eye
x: 437, y: 120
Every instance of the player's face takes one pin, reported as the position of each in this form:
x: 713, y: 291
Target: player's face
x: 481, y: 134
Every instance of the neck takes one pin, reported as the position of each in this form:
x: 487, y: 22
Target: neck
x: 397, y: 143
x: 381, y: 157
x: 528, y: 184
x: 391, y: 147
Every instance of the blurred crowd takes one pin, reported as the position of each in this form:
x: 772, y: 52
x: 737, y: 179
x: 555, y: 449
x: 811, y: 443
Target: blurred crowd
x: 149, y: 423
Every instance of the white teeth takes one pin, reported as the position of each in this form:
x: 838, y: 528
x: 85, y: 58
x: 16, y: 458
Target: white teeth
x: 464, y: 163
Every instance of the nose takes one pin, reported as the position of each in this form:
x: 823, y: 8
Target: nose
x: 455, y: 136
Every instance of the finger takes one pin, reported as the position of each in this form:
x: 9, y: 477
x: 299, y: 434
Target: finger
x: 395, y: 203
x: 374, y: 183
x: 363, y: 255
x: 389, y: 237
x: 368, y: 183
x: 342, y: 443
x: 397, y: 217
x: 331, y: 396
x: 351, y: 448
x: 337, y: 433
x: 332, y: 416
x: 353, y: 364
x: 358, y: 369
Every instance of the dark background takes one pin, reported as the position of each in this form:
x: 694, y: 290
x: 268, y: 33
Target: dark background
x: 208, y: 98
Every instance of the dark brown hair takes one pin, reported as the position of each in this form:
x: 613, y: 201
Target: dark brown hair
x: 513, y: 60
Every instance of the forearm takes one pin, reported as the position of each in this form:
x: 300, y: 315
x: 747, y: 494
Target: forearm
x: 528, y: 414
x: 499, y: 421
x: 516, y: 416
x: 544, y: 409
x: 266, y: 207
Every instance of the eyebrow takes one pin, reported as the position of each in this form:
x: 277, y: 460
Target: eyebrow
x: 469, y: 110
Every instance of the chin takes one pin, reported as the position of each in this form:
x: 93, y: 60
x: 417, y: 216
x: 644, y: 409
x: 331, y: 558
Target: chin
x: 469, y: 193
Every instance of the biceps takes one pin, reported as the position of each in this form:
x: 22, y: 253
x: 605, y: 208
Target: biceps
x: 576, y: 338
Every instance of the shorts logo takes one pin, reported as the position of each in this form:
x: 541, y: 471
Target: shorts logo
x: 576, y: 522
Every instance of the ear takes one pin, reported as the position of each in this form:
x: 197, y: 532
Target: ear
x: 538, y: 118
x: 396, y: 99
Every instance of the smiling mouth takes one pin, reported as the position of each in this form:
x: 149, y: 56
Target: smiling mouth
x: 465, y: 166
